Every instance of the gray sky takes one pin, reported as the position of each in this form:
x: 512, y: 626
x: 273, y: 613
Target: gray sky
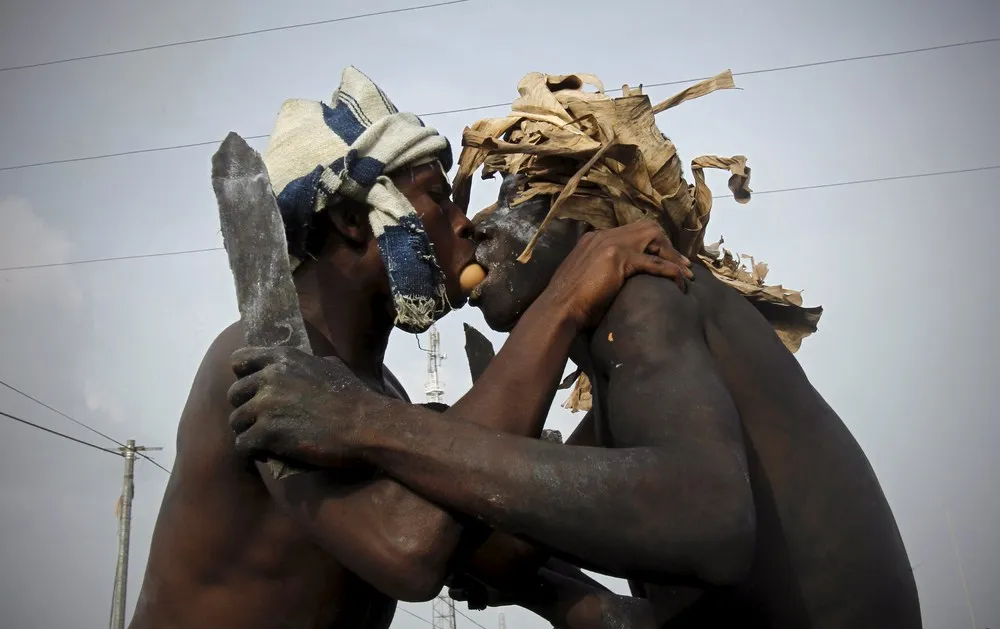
x: 906, y: 351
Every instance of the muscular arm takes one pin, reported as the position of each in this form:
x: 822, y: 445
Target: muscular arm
x: 672, y: 499
x: 396, y: 540
x: 512, y: 396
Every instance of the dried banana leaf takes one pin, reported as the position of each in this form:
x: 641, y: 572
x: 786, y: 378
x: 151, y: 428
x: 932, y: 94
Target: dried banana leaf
x: 605, y: 161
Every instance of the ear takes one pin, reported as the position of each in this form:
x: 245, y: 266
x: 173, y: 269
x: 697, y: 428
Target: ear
x: 350, y: 220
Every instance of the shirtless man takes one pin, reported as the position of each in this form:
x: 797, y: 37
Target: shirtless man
x: 710, y: 473
x: 232, y: 547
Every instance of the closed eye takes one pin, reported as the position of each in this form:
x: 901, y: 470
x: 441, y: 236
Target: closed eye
x: 440, y: 193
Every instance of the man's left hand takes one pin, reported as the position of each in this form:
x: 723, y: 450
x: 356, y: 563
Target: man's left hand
x: 297, y: 407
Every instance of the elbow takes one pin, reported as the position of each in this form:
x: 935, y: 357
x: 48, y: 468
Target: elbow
x: 417, y: 571
x: 422, y: 587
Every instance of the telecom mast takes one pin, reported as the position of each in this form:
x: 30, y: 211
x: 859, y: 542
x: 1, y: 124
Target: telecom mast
x: 434, y: 387
x: 443, y: 610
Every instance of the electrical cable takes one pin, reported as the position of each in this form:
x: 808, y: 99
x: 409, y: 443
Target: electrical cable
x: 836, y: 184
x: 784, y: 68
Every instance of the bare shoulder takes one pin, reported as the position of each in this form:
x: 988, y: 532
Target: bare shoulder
x: 215, y: 372
x: 204, y: 421
x: 648, y: 317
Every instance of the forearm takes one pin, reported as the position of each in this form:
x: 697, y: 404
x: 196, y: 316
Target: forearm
x: 627, y: 511
x: 516, y: 390
x: 393, y: 539
x: 531, y: 362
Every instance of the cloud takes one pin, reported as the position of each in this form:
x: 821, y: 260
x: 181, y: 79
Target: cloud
x: 26, y: 239
x: 99, y: 400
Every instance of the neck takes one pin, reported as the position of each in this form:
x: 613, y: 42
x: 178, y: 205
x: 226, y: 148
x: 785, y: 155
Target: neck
x: 350, y: 314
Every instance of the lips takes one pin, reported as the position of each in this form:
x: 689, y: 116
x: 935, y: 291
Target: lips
x: 476, y: 293
x: 480, y: 257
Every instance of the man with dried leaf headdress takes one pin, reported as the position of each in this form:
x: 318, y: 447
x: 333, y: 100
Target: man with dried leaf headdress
x: 728, y: 492
x: 708, y: 471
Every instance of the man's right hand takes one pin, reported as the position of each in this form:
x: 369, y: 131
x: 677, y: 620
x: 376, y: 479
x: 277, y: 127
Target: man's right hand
x: 590, y: 277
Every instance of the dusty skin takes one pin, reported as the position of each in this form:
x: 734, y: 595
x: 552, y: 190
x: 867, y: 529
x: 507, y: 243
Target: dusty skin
x: 710, y: 473
x: 335, y: 548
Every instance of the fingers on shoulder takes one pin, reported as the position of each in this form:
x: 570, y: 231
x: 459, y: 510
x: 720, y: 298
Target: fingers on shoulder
x: 248, y: 360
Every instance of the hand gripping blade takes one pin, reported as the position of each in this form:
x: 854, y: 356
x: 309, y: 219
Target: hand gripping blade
x: 254, y: 237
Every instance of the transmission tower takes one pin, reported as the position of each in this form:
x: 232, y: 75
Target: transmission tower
x: 443, y: 610
x: 434, y: 387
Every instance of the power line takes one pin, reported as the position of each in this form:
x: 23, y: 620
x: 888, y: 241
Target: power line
x: 406, y: 611
x: 88, y: 158
x: 813, y: 64
x: 114, y: 259
x: 463, y: 614
x: 836, y: 184
x: 58, y: 412
x: 443, y: 112
x: 260, y: 31
x: 797, y: 66
x: 79, y: 423
x: 856, y: 182
x: 59, y: 434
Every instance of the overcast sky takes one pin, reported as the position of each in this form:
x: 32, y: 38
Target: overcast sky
x: 907, y: 347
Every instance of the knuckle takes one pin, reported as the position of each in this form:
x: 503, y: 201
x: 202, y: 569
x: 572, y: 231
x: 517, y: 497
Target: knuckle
x: 610, y: 253
x: 273, y: 371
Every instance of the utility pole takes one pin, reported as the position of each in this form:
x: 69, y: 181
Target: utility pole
x: 124, y: 531
x: 503, y: 622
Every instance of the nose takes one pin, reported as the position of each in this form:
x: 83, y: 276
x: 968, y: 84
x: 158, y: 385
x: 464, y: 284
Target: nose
x: 460, y: 223
x: 485, y: 230
x: 464, y: 228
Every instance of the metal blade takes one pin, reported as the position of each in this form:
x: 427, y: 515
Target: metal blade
x: 478, y: 350
x: 254, y: 237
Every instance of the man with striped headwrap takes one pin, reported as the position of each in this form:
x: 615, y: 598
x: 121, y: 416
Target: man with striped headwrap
x: 319, y: 155
x: 376, y: 242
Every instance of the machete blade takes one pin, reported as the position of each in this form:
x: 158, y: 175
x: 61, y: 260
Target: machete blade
x: 478, y: 350
x: 254, y: 238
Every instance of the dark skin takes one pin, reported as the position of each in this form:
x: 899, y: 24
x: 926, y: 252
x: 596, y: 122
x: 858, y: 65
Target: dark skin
x: 710, y: 472
x: 337, y: 547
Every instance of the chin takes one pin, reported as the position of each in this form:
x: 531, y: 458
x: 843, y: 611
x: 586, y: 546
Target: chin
x: 497, y: 315
x: 457, y: 302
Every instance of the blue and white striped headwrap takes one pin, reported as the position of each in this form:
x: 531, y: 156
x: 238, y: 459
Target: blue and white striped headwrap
x: 318, y: 154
